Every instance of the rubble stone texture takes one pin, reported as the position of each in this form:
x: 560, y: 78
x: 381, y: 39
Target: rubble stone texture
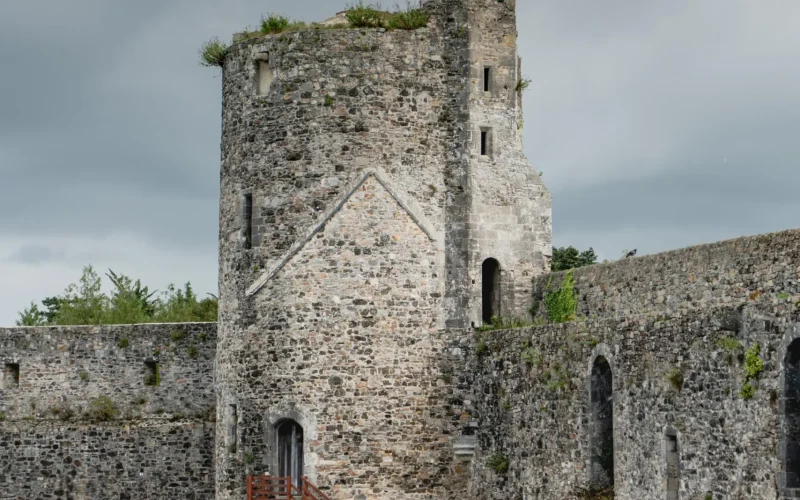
x: 366, y: 177
x: 374, y: 209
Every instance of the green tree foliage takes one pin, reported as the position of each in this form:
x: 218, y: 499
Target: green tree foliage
x: 566, y: 258
x: 129, y: 302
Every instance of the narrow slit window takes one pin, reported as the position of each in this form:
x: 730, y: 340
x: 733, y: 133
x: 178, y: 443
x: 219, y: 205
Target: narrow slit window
x: 602, y: 426
x: 790, y: 427
x: 487, y: 78
x: 11, y: 376
x: 673, y: 465
x: 152, y: 376
x: 486, y: 138
x: 232, y: 421
x: 247, y: 220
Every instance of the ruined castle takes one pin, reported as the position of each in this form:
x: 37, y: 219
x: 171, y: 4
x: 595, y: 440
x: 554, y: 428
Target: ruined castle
x: 376, y: 213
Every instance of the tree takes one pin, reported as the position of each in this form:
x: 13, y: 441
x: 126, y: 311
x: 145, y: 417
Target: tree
x: 128, y: 303
x: 31, y: 316
x: 566, y: 258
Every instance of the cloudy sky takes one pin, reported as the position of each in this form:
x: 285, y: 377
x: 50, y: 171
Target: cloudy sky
x: 657, y: 125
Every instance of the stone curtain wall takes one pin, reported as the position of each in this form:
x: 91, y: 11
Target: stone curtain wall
x: 132, y: 460
x: 669, y: 326
x: 157, y: 444
x: 727, y: 272
x: 531, y: 397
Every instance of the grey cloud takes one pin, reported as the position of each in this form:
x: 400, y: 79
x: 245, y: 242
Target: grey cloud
x: 35, y: 255
x: 674, y: 120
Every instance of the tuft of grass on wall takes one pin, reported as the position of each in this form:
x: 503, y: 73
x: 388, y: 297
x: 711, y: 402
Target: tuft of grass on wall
x: 497, y: 463
x: 523, y: 84
x: 361, y: 15
x: 409, y: 19
x: 213, y: 53
x: 278, y: 24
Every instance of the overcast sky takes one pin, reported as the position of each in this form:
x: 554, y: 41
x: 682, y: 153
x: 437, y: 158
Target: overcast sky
x: 657, y: 125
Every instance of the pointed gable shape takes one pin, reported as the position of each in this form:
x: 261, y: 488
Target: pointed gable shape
x: 413, y: 210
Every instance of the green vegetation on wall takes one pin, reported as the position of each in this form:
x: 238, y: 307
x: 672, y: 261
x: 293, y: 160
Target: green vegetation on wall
x: 359, y: 15
x: 497, y: 463
x: 562, y: 305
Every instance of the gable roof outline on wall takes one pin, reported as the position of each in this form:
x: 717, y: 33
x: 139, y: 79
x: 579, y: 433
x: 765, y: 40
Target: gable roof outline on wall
x: 406, y: 202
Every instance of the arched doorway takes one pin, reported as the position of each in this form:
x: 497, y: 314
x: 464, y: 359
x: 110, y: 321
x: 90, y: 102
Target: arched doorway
x: 791, y: 415
x: 602, y: 426
x: 290, y: 450
x: 490, y: 287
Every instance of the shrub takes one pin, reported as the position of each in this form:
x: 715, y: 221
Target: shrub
x: 562, y: 305
x: 123, y: 343
x: 193, y: 351
x: 481, y: 347
x: 748, y: 391
x: 753, y: 364
x: 84, y: 375
x: 366, y: 16
x: 497, y: 463
x: 213, y: 52
x: 2, y: 416
x: 102, y: 408
x: 328, y: 100
x: 178, y: 335
x: 409, y: 19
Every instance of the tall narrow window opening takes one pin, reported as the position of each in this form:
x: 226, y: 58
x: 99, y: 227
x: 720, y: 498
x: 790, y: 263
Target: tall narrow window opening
x: 290, y: 450
x: 673, y: 463
x: 265, y: 75
x: 10, y: 378
x: 484, y: 142
x: 602, y: 426
x: 487, y: 78
x: 490, y: 284
x: 791, y: 415
x: 231, y: 419
x: 247, y: 220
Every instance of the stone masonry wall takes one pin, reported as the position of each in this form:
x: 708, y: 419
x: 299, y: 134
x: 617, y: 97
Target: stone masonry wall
x: 333, y: 106
x: 346, y: 342
x: 158, y: 441
x: 674, y: 328
x: 531, y: 391
x: 727, y: 272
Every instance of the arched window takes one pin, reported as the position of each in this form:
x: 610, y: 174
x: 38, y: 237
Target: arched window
x: 490, y: 285
x: 602, y: 426
x: 673, y: 463
x: 290, y: 450
x: 791, y: 415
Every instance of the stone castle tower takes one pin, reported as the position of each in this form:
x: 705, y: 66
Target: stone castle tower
x: 374, y: 200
